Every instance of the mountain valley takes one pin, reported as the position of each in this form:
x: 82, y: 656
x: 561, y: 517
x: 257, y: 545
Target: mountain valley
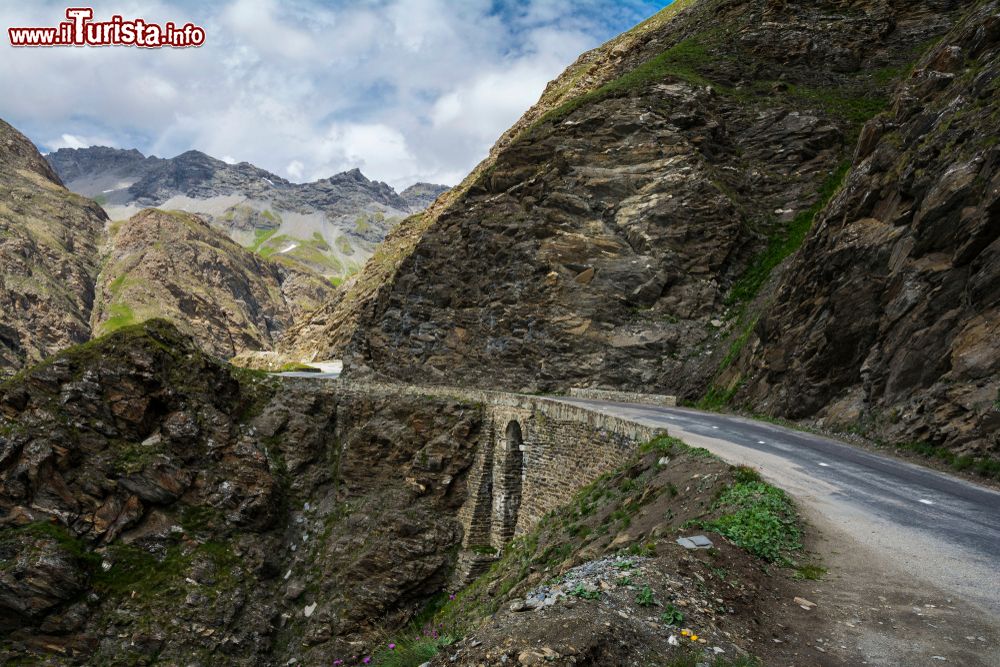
x: 68, y: 273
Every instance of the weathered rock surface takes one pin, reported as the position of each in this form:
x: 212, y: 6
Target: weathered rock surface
x: 421, y: 195
x: 890, y: 313
x: 599, y: 243
x: 330, y: 226
x: 48, y: 256
x: 155, y: 503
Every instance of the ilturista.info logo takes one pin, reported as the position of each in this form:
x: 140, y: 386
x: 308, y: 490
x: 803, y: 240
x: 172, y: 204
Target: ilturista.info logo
x: 80, y: 29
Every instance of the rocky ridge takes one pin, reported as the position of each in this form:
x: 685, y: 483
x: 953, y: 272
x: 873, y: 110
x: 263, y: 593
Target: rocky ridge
x: 330, y: 225
x: 889, y: 315
x: 157, y: 505
x: 172, y: 264
x: 48, y: 256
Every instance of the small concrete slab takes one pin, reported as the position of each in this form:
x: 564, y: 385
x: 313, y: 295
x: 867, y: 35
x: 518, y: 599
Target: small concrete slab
x: 695, y: 542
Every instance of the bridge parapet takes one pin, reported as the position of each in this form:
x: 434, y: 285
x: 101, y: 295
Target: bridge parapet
x: 624, y: 396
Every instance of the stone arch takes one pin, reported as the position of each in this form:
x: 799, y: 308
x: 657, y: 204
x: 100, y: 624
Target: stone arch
x: 508, y: 472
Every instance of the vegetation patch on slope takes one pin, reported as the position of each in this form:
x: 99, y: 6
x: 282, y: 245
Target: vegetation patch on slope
x: 783, y: 242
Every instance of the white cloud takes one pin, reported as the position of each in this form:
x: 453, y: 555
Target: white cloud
x: 295, y: 169
x: 74, y: 141
x: 406, y: 90
x: 374, y: 148
x: 491, y: 100
x: 257, y: 23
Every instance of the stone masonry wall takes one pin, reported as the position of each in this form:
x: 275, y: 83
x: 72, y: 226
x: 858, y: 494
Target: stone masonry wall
x: 535, y: 454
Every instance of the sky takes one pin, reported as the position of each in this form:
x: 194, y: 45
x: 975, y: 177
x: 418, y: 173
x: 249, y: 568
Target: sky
x: 405, y: 90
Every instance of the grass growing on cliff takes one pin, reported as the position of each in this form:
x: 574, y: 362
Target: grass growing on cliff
x: 786, y: 241
x: 858, y: 109
x: 411, y: 652
x: 297, y: 367
x: 74, y: 546
x: 779, y: 247
x: 680, y: 61
x: 121, y: 316
x: 260, y: 237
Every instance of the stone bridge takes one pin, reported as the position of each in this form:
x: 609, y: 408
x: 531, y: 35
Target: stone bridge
x: 534, y: 454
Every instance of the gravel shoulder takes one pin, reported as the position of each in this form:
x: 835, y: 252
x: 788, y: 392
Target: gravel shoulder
x: 912, y: 554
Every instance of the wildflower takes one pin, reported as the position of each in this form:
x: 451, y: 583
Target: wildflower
x: 367, y: 659
x: 392, y: 647
x: 686, y: 632
x: 694, y: 638
x: 451, y: 597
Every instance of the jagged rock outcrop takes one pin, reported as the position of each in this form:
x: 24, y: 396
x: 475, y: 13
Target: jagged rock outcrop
x: 633, y: 230
x: 48, y: 256
x: 329, y: 226
x: 172, y: 264
x: 890, y: 313
x: 601, y: 241
x: 157, y: 505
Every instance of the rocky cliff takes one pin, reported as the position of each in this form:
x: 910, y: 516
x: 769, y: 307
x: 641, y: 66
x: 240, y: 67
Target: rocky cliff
x: 67, y: 273
x: 329, y: 226
x: 889, y: 315
x: 421, y: 195
x: 48, y: 256
x: 634, y: 228
x: 158, y: 506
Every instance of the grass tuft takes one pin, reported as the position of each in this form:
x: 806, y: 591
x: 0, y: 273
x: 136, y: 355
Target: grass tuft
x: 759, y: 518
x: 989, y: 468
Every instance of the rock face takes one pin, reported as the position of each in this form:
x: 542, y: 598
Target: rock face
x: 67, y: 274
x: 645, y: 221
x: 601, y: 242
x: 330, y: 226
x: 48, y: 256
x: 155, y: 502
x: 172, y: 264
x: 890, y: 313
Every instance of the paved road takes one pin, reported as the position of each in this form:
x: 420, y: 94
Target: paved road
x: 931, y: 525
